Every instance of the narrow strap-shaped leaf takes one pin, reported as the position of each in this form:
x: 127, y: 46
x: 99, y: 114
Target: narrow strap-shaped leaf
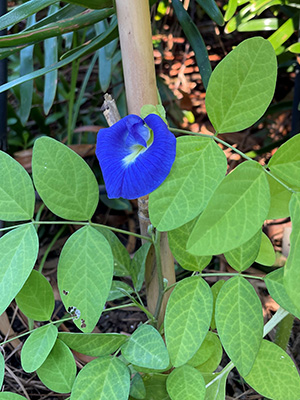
x: 284, y: 32
x: 211, y: 8
x: 262, y: 24
x: 88, y: 48
x: 194, y: 37
x: 26, y: 67
x: 51, y: 57
x: 70, y: 24
x: 93, y: 4
x: 104, y: 62
x: 231, y: 9
x: 23, y: 11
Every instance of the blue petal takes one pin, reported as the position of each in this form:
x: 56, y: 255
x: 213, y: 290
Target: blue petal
x: 148, y: 168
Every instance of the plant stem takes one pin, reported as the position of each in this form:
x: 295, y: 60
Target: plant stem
x: 233, y: 149
x: 53, y: 241
x: 32, y: 330
x: 118, y: 307
x: 160, y: 277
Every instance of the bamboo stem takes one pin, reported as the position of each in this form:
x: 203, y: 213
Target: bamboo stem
x: 140, y: 85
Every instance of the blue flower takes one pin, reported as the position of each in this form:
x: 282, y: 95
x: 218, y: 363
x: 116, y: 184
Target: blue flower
x: 135, y: 156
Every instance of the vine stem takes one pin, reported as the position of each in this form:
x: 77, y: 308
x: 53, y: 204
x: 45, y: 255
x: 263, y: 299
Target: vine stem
x: 277, y: 317
x: 7, y: 228
x: 214, y: 137
x: 60, y: 321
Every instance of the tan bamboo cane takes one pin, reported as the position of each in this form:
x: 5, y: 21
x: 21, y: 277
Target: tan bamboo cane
x: 140, y: 85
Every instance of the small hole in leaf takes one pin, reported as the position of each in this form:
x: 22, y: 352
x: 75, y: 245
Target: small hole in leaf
x: 65, y: 292
x: 83, y: 324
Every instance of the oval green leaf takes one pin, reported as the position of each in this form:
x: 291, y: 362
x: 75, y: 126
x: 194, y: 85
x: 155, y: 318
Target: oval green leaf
x: 37, y: 347
x: 235, y: 212
x: 93, y: 344
x: 156, y: 387
x: 84, y: 276
x: 146, y: 348
x: 177, y: 241
x: 116, y: 290
x: 17, y: 197
x: 242, y: 86
x: 209, y: 355
x: 11, y: 396
x: 121, y: 256
x: 280, y: 198
x: 215, y: 289
x: 187, y: 320
x: 266, y: 255
x: 199, y: 167
x: 285, y: 163
x: 239, y: 321
x: 64, y: 181
x: 18, y: 262
x: 275, y: 285
x: 274, y: 375
x: 59, y: 370
x: 101, y: 379
x: 36, y: 298
x: 244, y: 256
x: 291, y: 268
x: 215, y: 388
x: 186, y: 382
x: 137, y: 387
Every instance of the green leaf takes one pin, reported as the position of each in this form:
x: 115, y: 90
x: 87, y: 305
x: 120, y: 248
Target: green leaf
x: 274, y: 375
x: 209, y: 355
x: 64, y: 181
x: 116, y: 293
x: 215, y: 289
x: 36, y: 298
x: 93, y: 4
x: 235, y: 212
x: 291, y: 268
x: 74, y: 54
x: 59, y: 370
x: 244, y: 256
x: 84, y: 276
x: 146, y: 348
x: 93, y: 344
x: 260, y: 24
x: 17, y: 197
x: 37, y: 347
x: 186, y: 382
x: 242, y: 86
x: 294, y: 48
x: 51, y: 57
x: 199, y: 167
x: 121, y: 256
x: 215, y: 389
x: 275, y: 285
x: 177, y: 241
x: 11, y: 396
x: 211, y: 8
x: 280, y: 198
x: 137, y: 387
x: 138, y: 265
x: 187, y: 319
x: 266, y: 254
x: 195, y: 39
x: 156, y: 387
x: 285, y: 163
x: 101, y: 379
x: 19, y: 250
x: 23, y: 11
x: 239, y: 321
x: 284, y: 32
x: 2, y: 369
x: 231, y: 9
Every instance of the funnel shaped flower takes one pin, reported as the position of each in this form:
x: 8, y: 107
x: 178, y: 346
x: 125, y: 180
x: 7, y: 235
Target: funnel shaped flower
x: 134, y: 159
